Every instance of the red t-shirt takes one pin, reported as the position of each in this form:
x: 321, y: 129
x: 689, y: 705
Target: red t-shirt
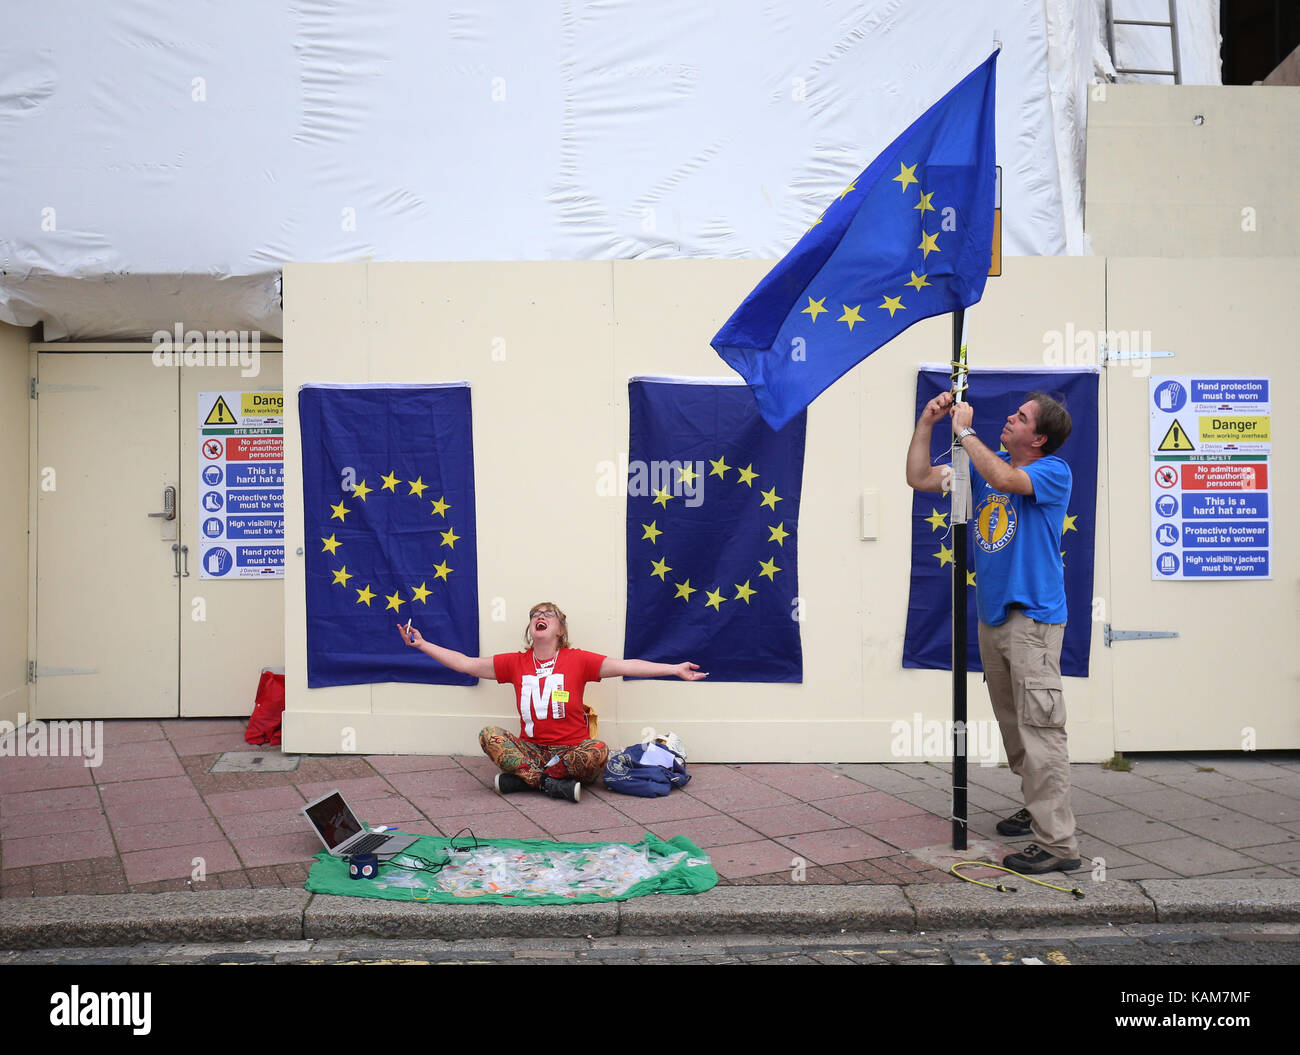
x: 544, y: 718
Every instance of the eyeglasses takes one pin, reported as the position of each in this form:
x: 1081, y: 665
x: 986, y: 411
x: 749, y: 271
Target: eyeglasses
x: 545, y: 613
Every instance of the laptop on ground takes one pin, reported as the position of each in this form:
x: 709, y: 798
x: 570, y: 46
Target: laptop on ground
x: 343, y: 835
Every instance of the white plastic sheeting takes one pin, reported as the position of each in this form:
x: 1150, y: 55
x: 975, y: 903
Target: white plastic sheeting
x: 163, y: 161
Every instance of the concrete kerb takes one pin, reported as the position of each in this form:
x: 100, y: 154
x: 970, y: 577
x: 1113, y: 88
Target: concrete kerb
x: 233, y: 915
x: 1224, y: 900
x: 129, y: 919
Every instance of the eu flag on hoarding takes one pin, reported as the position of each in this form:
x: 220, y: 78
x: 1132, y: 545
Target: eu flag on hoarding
x: 388, y: 490
x: 713, y: 532
x: 994, y: 395
x: 909, y: 238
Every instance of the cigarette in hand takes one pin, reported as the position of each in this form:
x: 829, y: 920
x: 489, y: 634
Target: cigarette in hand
x: 408, y: 628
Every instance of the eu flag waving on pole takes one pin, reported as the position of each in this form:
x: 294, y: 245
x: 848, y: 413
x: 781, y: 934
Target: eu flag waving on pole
x: 388, y: 490
x: 713, y: 532
x: 909, y: 238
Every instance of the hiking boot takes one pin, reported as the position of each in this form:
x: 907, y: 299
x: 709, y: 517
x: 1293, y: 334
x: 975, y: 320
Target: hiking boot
x: 508, y: 783
x: 1034, y: 861
x: 1016, y: 825
x: 569, y: 790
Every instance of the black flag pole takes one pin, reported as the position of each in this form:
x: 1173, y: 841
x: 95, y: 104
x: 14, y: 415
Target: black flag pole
x: 960, y: 514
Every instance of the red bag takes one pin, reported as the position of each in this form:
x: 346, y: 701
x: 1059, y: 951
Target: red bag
x: 264, y: 725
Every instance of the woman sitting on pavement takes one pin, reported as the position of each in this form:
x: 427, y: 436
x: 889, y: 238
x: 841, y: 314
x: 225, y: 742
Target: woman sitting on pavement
x: 552, y: 752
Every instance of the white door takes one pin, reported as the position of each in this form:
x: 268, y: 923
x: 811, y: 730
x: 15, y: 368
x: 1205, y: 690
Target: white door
x: 125, y: 625
x: 108, y: 565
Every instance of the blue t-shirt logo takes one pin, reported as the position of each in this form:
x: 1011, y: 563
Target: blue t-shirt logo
x: 995, y: 523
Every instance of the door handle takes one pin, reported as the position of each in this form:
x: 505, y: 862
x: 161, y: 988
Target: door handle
x: 169, y: 505
x: 176, y: 556
x: 185, y: 556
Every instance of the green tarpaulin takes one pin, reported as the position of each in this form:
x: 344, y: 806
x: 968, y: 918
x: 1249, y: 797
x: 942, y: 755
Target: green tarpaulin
x: 524, y: 871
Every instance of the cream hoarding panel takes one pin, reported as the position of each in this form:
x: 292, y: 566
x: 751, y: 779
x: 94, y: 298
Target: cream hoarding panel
x: 15, y: 414
x: 532, y: 341
x: 1193, y: 171
x: 1021, y: 323
x: 1228, y: 681
x: 581, y: 330
x: 667, y: 312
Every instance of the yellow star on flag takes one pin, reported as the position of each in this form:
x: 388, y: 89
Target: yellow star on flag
x: 418, y: 487
x: 341, y: 576
x: 893, y: 304
x: 927, y: 245
x: 720, y: 468
x: 331, y: 544
x: 770, y: 499
x: 769, y: 569
x: 395, y: 602
x: 419, y: 593
x: 651, y: 532
x: 778, y: 534
x: 361, y: 490
x: 442, y: 571
x: 684, y: 591
x: 815, y: 308
x: 850, y: 316
x: 364, y: 596
x: 937, y: 520
x: 686, y: 474
x: 924, y: 203
x: 715, y: 600
x: 848, y: 190
x: 944, y: 555
x: 341, y: 511
x: 743, y: 593
x: 449, y: 537
x: 970, y: 578
x: 659, y: 568
x: 747, y: 475
x: 917, y: 282
x: 441, y: 506
x: 1069, y: 524
x: 661, y: 498
x: 390, y: 482
x: 906, y: 175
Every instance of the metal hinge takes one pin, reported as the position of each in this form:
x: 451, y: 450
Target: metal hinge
x: 33, y: 388
x: 1107, y: 356
x: 1135, y: 635
x: 31, y: 671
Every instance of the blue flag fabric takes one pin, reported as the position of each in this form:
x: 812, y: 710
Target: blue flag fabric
x: 713, y: 532
x: 388, y: 490
x: 909, y: 238
x: 994, y: 395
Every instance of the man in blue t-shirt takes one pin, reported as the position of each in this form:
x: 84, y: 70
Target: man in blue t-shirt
x: 1019, y: 501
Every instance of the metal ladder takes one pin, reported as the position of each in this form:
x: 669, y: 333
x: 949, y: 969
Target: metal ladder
x: 1172, y: 25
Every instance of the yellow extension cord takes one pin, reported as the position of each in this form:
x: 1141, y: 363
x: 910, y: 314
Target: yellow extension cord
x: 1001, y: 887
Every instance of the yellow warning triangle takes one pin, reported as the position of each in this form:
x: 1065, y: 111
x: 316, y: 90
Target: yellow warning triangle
x: 1176, y: 439
x: 220, y: 414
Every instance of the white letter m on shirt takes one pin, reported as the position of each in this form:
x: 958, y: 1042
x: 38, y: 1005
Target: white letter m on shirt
x: 535, y: 698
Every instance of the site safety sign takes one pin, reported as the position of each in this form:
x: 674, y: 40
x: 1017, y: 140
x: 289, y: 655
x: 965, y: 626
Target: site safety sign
x: 1211, y: 438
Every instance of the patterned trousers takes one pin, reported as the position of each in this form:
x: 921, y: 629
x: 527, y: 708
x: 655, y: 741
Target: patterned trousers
x: 583, y: 762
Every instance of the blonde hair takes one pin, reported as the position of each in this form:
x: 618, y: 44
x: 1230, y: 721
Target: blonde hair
x: 564, y: 624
